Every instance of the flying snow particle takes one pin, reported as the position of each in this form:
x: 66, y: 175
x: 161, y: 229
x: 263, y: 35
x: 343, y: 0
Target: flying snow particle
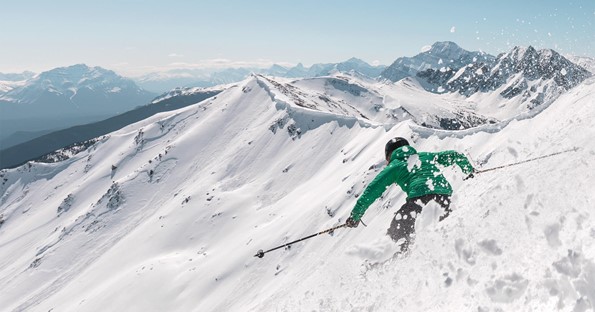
x: 413, y: 162
x: 430, y: 184
x: 426, y: 48
x: 563, y: 71
x: 453, y: 29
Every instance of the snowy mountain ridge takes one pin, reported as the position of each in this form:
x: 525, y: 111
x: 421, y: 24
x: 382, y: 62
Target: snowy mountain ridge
x: 167, y: 213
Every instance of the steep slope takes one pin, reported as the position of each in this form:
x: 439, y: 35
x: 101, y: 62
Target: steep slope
x: 70, y: 139
x: 166, y: 214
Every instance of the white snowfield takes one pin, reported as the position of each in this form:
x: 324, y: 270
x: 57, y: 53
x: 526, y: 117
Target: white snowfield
x: 167, y: 214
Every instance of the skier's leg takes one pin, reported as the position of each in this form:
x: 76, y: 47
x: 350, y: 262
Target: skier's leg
x: 444, y: 202
x: 402, y: 226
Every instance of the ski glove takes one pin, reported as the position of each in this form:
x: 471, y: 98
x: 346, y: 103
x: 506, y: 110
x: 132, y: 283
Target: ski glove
x: 350, y: 222
x: 471, y: 175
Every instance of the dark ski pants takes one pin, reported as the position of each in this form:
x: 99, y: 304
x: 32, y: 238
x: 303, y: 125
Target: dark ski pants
x: 403, y: 224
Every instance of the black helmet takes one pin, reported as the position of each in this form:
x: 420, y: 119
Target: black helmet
x: 393, y: 144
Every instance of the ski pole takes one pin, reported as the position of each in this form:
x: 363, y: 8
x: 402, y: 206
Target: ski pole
x: 574, y: 149
x: 261, y: 253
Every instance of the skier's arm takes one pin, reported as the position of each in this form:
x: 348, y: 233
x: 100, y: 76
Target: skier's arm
x: 449, y: 158
x: 372, y: 192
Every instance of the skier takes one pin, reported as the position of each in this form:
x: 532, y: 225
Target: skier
x: 417, y: 174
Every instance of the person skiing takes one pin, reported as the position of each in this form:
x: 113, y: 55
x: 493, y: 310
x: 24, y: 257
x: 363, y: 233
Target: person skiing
x: 419, y: 177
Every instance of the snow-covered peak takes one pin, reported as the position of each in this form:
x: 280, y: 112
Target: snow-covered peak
x: 439, y: 55
x: 520, y: 53
x: 446, y: 48
x: 64, y: 78
x: 299, y: 66
x: 356, y: 61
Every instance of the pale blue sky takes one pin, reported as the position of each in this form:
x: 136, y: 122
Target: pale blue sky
x: 133, y: 36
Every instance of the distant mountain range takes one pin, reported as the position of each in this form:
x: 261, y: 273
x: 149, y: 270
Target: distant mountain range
x: 64, y: 97
x: 162, y: 82
x: 77, y: 90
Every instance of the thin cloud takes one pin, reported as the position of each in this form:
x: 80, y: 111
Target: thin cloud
x: 207, y: 65
x: 175, y: 55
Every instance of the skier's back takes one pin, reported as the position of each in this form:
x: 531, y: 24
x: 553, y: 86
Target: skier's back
x: 418, y: 175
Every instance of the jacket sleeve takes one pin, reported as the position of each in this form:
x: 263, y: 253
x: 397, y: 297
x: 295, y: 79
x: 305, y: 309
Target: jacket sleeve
x: 449, y: 158
x: 372, y: 192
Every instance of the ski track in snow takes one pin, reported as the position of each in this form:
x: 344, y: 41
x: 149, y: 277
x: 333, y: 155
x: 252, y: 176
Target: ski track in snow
x: 167, y: 214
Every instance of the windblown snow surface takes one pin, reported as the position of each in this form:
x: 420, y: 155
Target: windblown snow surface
x: 167, y: 214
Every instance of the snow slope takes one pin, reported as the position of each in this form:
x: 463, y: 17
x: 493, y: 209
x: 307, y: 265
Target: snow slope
x: 166, y: 214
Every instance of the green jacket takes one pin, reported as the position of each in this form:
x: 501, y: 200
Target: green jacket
x: 416, y: 173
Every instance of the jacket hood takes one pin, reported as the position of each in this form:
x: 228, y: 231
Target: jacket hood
x: 402, y: 153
